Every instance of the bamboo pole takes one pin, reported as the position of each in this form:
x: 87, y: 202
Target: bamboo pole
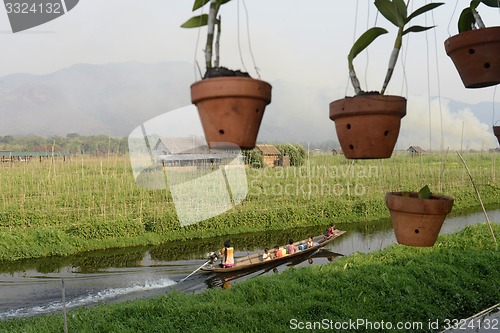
x: 479, y: 197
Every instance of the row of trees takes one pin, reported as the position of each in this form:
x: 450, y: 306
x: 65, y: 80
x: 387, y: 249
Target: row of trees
x: 73, y: 143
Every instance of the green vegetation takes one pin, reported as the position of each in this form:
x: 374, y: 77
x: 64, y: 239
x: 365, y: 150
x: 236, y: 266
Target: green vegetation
x: 73, y: 143
x: 456, y: 278
x: 60, y: 208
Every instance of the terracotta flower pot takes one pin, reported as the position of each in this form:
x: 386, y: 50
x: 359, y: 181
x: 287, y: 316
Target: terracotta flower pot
x: 496, y: 131
x: 417, y: 222
x: 476, y: 55
x: 231, y: 109
x: 368, y: 125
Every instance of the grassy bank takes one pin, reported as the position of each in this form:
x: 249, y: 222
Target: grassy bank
x: 60, y: 208
x: 422, y: 287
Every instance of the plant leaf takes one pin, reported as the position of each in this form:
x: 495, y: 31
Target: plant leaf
x: 401, y: 9
x: 474, y: 4
x: 364, y: 40
x: 221, y: 2
x: 196, y: 21
x: 416, y: 28
x: 424, y: 193
x: 388, y: 9
x: 199, y: 3
x: 466, y: 20
x: 424, y: 9
x: 491, y: 3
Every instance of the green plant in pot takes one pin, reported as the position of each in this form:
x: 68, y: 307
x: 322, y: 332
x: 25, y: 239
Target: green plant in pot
x: 417, y: 217
x: 475, y: 50
x: 368, y: 124
x: 230, y: 103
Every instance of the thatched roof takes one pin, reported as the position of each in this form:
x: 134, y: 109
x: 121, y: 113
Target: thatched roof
x: 416, y: 149
x: 268, y: 150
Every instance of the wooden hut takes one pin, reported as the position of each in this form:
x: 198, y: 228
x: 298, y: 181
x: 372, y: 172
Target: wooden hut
x: 271, y: 154
x: 416, y: 150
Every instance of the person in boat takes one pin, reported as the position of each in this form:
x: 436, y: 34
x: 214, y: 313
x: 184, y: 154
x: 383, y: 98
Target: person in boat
x: 228, y: 255
x: 277, y: 252
x: 266, y: 255
x: 310, y: 242
x: 290, y: 248
x: 331, y: 231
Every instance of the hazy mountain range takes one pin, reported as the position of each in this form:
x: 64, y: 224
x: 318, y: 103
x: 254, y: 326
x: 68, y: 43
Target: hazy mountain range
x: 113, y: 99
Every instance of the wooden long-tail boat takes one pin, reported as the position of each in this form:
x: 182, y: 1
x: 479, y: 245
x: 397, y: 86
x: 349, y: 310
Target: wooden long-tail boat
x: 254, y: 261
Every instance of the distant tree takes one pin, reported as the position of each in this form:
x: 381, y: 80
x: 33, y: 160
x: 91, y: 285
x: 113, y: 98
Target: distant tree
x: 295, y: 153
x: 6, y: 139
x: 253, y: 158
x: 302, y: 151
x: 72, y: 135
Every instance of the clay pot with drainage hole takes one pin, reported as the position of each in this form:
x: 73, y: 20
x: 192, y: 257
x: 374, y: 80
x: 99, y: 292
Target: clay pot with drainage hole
x: 368, y: 125
x: 476, y: 55
x: 417, y: 222
x: 496, y: 131
x: 231, y: 109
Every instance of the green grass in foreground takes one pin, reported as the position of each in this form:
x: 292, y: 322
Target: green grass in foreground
x: 456, y: 278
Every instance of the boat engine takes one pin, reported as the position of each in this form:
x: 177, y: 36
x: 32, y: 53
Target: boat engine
x: 212, y: 256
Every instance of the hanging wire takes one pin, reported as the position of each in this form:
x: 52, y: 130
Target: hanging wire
x: 438, y: 82
x: 249, y: 40
x: 495, y: 89
x: 451, y: 18
x: 353, y: 40
x: 238, y: 34
x: 428, y: 85
x: 367, y: 51
x: 494, y: 94
x: 196, y: 64
x: 405, y: 52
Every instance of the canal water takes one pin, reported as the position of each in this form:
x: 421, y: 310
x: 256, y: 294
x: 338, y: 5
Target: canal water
x: 33, y: 287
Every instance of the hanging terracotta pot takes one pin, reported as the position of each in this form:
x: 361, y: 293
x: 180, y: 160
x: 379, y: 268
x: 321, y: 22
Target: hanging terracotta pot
x: 368, y: 125
x: 496, y: 131
x: 231, y: 109
x: 476, y: 55
x: 417, y: 222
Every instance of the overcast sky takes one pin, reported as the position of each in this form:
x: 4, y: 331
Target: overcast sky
x: 294, y: 41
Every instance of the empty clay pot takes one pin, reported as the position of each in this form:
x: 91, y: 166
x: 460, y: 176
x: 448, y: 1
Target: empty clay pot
x: 231, y: 109
x: 368, y: 125
x: 417, y: 222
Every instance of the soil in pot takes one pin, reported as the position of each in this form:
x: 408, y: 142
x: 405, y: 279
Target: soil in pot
x: 368, y: 125
x: 417, y: 222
